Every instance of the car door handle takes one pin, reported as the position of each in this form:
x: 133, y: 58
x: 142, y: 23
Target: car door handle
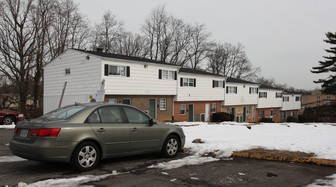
x: 101, y: 130
x: 135, y: 130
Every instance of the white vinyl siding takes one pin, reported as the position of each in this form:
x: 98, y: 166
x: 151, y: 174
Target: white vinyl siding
x: 241, y: 94
x: 291, y: 102
x: 272, y: 101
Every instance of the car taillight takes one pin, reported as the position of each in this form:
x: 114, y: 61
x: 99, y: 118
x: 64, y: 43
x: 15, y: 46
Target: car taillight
x: 20, y: 117
x: 16, y: 130
x: 44, y: 132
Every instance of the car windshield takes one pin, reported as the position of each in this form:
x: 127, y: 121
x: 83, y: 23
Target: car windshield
x: 62, y: 113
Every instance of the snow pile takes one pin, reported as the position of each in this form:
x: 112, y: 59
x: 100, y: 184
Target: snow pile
x: 224, y: 138
x: 329, y: 181
x: 76, y: 181
x: 189, y: 160
x: 12, y: 126
x: 11, y: 159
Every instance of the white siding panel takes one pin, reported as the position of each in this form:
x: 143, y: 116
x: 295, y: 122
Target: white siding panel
x: 292, y: 104
x: 143, y: 80
x: 243, y: 97
x: 84, y: 78
x: 271, y: 101
x: 203, y: 90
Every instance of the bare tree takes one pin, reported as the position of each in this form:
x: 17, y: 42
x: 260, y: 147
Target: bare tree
x: 156, y: 33
x: 108, y: 32
x: 130, y: 44
x: 199, y: 45
x: 231, y: 61
x: 17, y: 45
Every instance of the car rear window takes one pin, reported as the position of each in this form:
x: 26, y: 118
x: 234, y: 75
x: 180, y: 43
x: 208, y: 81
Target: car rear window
x: 62, y: 113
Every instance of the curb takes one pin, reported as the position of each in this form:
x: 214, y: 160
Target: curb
x: 286, y: 156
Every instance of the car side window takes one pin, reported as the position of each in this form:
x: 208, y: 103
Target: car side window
x: 135, y: 116
x: 94, y: 117
x: 110, y: 114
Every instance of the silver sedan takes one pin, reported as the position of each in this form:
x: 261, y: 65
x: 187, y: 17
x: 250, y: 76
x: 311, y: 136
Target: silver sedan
x: 86, y: 133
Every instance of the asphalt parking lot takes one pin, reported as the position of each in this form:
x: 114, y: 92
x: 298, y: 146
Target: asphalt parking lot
x: 135, y: 172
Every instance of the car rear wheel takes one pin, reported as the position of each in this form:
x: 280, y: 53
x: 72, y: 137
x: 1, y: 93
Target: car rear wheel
x: 170, y: 146
x: 85, y: 157
x: 8, y: 120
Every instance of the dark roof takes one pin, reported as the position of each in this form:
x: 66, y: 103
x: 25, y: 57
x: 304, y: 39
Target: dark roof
x: 201, y: 72
x: 269, y: 87
x: 124, y: 57
x: 235, y: 80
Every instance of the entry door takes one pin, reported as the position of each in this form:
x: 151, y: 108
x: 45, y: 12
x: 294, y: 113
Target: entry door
x: 191, y: 112
x: 152, y: 108
x: 207, y: 112
x: 244, y: 114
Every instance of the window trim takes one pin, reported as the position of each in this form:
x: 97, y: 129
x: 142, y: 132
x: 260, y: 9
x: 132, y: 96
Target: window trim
x: 214, y: 107
x: 262, y: 94
x: 232, y: 90
x: 185, y: 109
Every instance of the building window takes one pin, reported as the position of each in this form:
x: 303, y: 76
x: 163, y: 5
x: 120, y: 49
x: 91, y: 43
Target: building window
x: 231, y: 89
x: 213, y: 108
x: 167, y: 75
x: 249, y: 110
x: 259, y: 113
x: 163, y: 104
x: 278, y: 95
x: 126, y: 101
x: 67, y: 71
x: 218, y: 84
x: 188, y: 82
x: 253, y: 90
x: 297, y: 98
x: 228, y: 110
x: 183, y: 109
x: 113, y: 70
x: 113, y: 101
x: 286, y: 99
x: 262, y: 94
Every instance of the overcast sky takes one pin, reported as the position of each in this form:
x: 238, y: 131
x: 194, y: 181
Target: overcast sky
x: 282, y: 37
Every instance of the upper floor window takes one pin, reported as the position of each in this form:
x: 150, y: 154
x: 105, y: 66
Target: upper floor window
x: 297, y: 98
x: 262, y: 94
x: 167, y: 75
x: 67, y: 71
x: 231, y: 89
x: 278, y: 95
x: 188, y: 82
x: 117, y: 70
x: 253, y: 90
x: 218, y: 84
x: 285, y: 99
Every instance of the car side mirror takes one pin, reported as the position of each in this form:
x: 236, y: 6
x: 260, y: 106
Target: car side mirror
x: 151, y: 122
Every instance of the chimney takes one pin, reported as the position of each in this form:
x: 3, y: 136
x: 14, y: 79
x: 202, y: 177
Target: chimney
x: 99, y: 50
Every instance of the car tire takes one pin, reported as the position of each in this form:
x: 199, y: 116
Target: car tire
x: 85, y: 157
x: 8, y: 120
x: 171, y: 146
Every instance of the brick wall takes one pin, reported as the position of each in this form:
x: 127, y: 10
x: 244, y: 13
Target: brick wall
x: 199, y: 109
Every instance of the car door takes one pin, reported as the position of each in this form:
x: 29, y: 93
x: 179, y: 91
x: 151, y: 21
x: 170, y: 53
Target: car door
x: 144, y: 137
x: 111, y: 129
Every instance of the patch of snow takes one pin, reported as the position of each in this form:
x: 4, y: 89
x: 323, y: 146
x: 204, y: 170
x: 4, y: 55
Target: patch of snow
x: 12, y: 126
x: 11, y: 159
x: 189, y: 160
x: 330, y: 181
x: 76, y: 181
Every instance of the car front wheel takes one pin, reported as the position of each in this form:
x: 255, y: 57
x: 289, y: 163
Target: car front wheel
x: 85, y: 157
x: 171, y: 146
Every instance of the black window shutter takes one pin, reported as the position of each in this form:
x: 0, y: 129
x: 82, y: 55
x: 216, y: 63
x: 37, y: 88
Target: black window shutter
x: 223, y: 84
x: 213, y: 83
x: 181, y: 82
x: 106, y: 69
x: 227, y: 89
x: 160, y: 73
x: 236, y: 90
x: 257, y: 90
x: 194, y: 82
x: 175, y: 75
x: 128, y: 71
x: 250, y: 89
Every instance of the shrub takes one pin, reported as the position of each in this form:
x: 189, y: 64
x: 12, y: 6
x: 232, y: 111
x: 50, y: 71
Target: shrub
x: 267, y: 120
x: 222, y: 116
x: 301, y: 119
x: 291, y: 119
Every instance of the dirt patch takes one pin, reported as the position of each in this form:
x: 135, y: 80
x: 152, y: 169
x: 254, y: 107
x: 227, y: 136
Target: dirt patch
x: 287, y: 156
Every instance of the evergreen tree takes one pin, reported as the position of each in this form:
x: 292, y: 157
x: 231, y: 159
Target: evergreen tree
x: 328, y: 66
